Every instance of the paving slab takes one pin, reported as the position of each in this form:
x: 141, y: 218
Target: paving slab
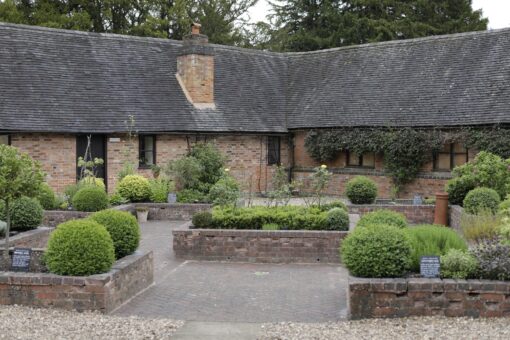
x: 197, y: 330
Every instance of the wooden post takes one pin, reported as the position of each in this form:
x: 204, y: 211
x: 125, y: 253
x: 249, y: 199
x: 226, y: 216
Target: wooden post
x: 441, y: 210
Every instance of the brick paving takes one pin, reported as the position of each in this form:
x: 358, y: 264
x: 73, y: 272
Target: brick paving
x: 235, y: 292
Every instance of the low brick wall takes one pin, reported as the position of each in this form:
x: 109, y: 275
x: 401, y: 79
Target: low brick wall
x: 104, y: 292
x: 52, y: 218
x: 36, y: 261
x: 167, y: 211
x: 415, y: 214
x: 279, y: 246
x: 456, y: 212
x: 388, y: 298
x: 37, y: 238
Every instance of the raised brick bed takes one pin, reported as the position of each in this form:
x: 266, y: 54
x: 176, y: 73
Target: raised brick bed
x: 52, y: 218
x: 104, y: 292
x: 279, y: 246
x: 415, y: 214
x: 37, y: 238
x: 167, y: 211
x: 388, y: 298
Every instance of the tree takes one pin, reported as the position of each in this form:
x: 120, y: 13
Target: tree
x: 19, y: 176
x: 306, y: 25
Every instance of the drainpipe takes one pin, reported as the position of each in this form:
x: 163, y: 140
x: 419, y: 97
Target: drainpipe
x: 290, y: 145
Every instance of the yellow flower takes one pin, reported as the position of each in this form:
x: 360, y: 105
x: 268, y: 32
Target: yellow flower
x: 227, y: 169
x: 324, y: 166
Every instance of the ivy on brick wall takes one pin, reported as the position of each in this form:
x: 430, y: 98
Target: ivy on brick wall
x: 405, y: 150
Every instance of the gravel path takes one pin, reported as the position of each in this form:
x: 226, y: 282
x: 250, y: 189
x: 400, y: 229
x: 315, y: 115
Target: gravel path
x: 28, y: 323
x: 380, y: 329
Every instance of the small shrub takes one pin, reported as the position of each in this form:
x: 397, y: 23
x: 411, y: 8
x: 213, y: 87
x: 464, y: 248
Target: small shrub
x: 135, y: 188
x: 337, y: 219
x: 458, y: 264
x: 26, y: 213
x: 90, y: 180
x: 123, y: 229
x: 79, y: 248
x: 332, y: 205
x: 159, y: 189
x: 185, y: 172
x: 457, y: 189
x: 202, y: 220
x: 494, y: 259
x: 70, y: 191
x: 46, y: 197
x: 377, y: 251
x: 481, y: 199
x: 504, y: 207
x: 504, y: 230
x: 383, y: 217
x: 479, y: 227
x: 225, y: 191
x: 270, y: 226
x: 361, y: 190
x: 429, y: 240
x: 191, y: 196
x: 90, y: 198
x: 116, y: 199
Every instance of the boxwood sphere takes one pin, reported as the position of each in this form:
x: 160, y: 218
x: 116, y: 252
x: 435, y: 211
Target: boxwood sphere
x: 79, y: 248
x: 90, y: 198
x: 481, y: 200
x: 361, y: 190
x: 123, y: 228
x: 383, y: 217
x: 26, y: 213
x: 135, y: 188
x: 337, y: 219
x: 377, y: 251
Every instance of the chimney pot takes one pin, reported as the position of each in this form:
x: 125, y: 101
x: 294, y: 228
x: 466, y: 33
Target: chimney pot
x: 195, y: 28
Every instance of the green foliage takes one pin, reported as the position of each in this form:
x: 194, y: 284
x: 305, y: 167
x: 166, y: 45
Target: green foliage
x: 493, y: 258
x: 383, y: 217
x: 185, y: 172
x: 116, y: 199
x: 270, y: 226
x: 476, y: 228
x: 432, y: 240
x: 26, y: 213
x: 202, y: 220
x: 480, y: 200
x: 361, y: 190
x: 333, y: 204
x: 123, y: 229
x: 225, y: 192
x: 91, y: 180
x: 70, y: 191
x: 457, y: 189
x: 159, y: 189
x: 504, y: 230
x: 377, y: 251
x: 46, y: 197
x: 135, y: 188
x: 90, y: 198
x: 79, y: 248
x: 458, y: 264
x: 337, y: 219
x: 127, y: 169
x: 192, y: 196
x: 211, y: 160
x: 282, y: 189
x: 319, y: 182
x: 504, y: 207
x: 495, y: 140
x: 288, y: 217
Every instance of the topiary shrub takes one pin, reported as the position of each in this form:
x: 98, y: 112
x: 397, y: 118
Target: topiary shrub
x: 135, y: 188
x: 202, y: 219
x: 337, y: 219
x: 90, y: 198
x: 432, y: 240
x: 26, y: 213
x: 123, y: 228
x: 79, y: 248
x: 381, y: 251
x: 493, y: 258
x: 383, y: 217
x: 333, y: 204
x: 46, y: 197
x: 457, y: 189
x: 481, y: 200
x: 458, y: 264
x: 361, y: 190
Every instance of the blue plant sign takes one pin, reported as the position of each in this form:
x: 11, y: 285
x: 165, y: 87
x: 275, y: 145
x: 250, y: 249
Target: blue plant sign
x: 21, y: 259
x: 430, y: 266
x: 172, y: 197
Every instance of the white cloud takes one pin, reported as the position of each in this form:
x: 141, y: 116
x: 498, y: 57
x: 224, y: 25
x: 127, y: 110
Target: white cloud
x: 496, y: 10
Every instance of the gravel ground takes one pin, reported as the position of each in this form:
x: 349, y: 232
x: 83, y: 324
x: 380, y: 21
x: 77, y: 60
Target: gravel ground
x: 380, y: 329
x: 28, y: 323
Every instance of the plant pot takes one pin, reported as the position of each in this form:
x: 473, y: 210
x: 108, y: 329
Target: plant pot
x: 142, y: 215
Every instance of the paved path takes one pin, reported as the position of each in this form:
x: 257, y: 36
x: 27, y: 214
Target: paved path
x: 235, y: 292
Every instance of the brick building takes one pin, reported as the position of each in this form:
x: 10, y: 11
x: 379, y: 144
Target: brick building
x: 57, y: 87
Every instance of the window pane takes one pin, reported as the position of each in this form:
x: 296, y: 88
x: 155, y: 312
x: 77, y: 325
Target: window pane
x: 353, y: 159
x: 149, y: 157
x: 446, y: 148
x: 443, y: 161
x: 4, y: 139
x: 369, y: 159
x: 459, y: 159
x: 149, y: 143
x: 273, y: 150
x: 459, y: 148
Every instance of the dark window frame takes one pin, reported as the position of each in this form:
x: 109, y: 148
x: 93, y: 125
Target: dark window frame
x: 142, y: 150
x: 8, y: 137
x: 273, y: 150
x: 452, y: 155
x: 360, y: 165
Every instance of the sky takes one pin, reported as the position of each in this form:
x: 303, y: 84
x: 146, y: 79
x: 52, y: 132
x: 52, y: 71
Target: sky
x: 498, y: 11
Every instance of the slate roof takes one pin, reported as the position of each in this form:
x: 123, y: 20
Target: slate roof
x: 67, y: 81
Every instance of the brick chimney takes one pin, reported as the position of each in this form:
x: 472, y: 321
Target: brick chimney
x: 195, y: 69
